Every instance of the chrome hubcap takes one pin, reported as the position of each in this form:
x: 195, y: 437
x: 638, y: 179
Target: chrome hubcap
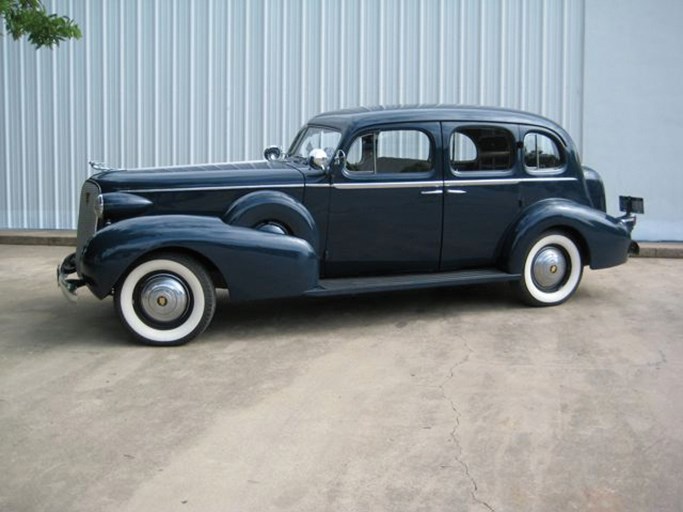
x: 163, y: 298
x: 549, y: 268
x: 272, y: 227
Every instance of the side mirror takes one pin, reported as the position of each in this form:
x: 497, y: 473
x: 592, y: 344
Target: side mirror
x: 272, y: 153
x: 340, y: 158
x: 318, y: 158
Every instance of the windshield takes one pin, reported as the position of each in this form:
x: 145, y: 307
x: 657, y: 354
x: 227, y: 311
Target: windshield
x: 313, y: 137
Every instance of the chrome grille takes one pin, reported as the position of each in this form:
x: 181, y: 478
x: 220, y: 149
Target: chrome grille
x: 87, y: 219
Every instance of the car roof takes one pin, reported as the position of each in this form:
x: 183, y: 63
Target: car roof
x: 360, y: 117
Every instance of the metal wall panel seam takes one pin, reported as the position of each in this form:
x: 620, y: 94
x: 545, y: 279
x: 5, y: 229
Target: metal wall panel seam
x: 362, y: 92
x: 283, y: 59
x: 22, y: 132
x: 421, y: 43
x: 39, y: 144
x: 481, y: 52
x: 174, y: 84
x: 247, y: 85
x: 582, y: 71
x: 503, y: 53
x: 105, y: 90
x: 264, y: 85
x: 210, y: 84
x: 544, y: 57
x: 442, y: 53
x: 565, y: 64
x: 523, y: 45
x: 70, y: 121
x: 228, y: 65
x: 156, y: 134
x: 382, y: 67
x: 138, y: 82
x: 401, y: 52
x: 461, y: 63
x: 5, y: 87
x: 193, y: 73
x: 342, y: 56
x: 122, y: 87
x: 88, y: 92
x: 55, y: 140
x: 323, y: 59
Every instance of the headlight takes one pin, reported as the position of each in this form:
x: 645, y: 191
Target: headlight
x: 99, y: 206
x: 119, y: 205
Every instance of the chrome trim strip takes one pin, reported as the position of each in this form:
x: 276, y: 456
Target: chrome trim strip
x: 359, y: 185
x: 204, y: 189
x: 387, y: 184
x: 501, y: 181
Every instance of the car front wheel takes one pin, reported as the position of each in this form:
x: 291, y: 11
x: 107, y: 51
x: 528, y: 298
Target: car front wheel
x: 166, y: 300
x: 552, y: 270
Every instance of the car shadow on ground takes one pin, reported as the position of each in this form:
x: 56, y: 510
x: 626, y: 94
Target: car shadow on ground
x: 93, y: 324
x: 299, y: 315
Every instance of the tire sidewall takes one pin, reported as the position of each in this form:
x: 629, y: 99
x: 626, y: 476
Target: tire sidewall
x: 193, y: 324
x: 540, y: 297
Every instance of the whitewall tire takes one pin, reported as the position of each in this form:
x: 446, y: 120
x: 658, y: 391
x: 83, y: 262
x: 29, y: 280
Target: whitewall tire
x: 166, y: 300
x: 552, y: 270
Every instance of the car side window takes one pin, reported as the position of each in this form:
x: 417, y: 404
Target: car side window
x: 542, y: 154
x: 390, y: 152
x: 478, y: 148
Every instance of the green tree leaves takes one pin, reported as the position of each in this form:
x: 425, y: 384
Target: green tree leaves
x: 29, y: 17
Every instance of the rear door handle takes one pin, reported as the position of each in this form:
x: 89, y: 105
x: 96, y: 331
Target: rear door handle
x: 432, y: 192
x: 456, y: 191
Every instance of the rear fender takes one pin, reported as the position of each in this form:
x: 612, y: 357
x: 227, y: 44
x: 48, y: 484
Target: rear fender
x: 254, y: 264
x: 603, y: 239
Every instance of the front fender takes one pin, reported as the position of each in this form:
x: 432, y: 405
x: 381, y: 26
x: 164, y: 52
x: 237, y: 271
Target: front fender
x: 604, y: 239
x: 254, y: 264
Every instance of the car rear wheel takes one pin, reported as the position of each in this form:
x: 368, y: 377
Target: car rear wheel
x: 552, y: 270
x: 166, y: 300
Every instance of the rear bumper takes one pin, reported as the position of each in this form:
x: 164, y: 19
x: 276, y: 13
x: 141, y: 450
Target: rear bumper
x: 628, y: 221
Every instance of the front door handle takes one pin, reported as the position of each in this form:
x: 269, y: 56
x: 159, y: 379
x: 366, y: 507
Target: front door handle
x: 432, y: 192
x: 456, y: 191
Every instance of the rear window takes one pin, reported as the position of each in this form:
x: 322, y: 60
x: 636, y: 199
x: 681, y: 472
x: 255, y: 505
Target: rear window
x: 542, y: 154
x: 481, y: 149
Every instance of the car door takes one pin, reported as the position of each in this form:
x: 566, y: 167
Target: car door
x: 386, y: 202
x: 482, y: 192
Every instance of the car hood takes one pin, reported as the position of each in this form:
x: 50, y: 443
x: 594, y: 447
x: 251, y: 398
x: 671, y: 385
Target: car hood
x: 268, y: 173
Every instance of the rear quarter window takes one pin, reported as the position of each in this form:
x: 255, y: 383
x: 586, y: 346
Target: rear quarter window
x: 542, y: 154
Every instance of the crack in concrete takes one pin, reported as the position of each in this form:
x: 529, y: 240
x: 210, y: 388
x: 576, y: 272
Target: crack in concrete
x: 453, y: 434
x: 662, y: 360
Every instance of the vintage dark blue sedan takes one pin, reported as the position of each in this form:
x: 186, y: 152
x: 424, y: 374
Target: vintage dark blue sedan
x: 364, y: 200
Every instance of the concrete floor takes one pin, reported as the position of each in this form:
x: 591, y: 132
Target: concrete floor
x: 447, y: 400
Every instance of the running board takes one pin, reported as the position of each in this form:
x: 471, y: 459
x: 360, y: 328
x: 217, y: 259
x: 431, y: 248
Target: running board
x: 354, y: 285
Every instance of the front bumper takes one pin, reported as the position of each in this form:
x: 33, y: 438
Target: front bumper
x: 68, y: 286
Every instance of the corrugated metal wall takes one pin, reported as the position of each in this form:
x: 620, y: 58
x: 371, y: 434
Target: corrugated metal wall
x: 177, y: 81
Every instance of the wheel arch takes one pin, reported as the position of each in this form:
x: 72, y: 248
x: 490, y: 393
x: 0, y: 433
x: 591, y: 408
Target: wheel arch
x: 273, y: 206
x: 599, y: 237
x: 217, y: 277
x: 577, y: 237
